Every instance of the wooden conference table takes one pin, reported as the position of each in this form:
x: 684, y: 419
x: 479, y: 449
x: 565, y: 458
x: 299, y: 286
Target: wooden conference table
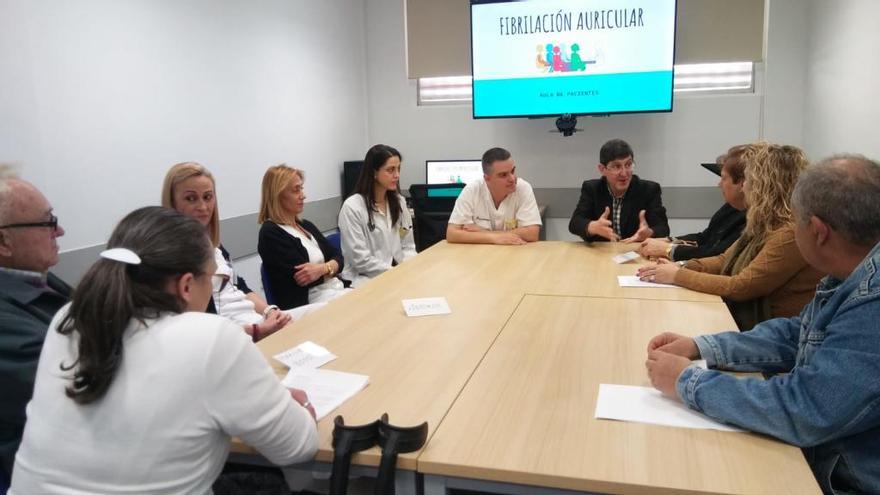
x: 508, y: 381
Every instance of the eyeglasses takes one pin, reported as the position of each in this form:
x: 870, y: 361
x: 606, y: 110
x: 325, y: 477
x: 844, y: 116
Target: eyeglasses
x: 219, y: 282
x: 618, y: 167
x: 51, y: 223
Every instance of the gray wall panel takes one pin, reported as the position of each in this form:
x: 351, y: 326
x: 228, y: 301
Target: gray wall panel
x: 72, y: 265
x: 238, y: 235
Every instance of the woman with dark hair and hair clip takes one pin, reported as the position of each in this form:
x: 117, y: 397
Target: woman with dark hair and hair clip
x: 763, y: 274
x: 139, y: 391
x: 374, y: 223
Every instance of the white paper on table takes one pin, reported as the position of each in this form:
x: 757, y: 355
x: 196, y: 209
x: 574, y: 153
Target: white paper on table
x: 647, y: 405
x: 625, y: 257
x: 633, y: 281
x: 426, y: 306
x: 306, y: 355
x: 327, y: 389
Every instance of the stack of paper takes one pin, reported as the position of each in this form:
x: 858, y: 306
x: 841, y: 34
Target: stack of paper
x: 647, y: 405
x: 633, y: 281
x: 327, y: 389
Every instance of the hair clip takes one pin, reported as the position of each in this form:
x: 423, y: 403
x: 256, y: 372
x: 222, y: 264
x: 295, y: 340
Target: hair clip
x: 122, y: 255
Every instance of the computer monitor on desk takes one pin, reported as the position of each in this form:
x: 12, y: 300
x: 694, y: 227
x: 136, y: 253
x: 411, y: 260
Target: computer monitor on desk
x: 432, y: 204
x: 453, y: 171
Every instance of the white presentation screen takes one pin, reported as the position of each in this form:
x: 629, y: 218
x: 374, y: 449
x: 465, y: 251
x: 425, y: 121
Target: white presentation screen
x: 552, y: 57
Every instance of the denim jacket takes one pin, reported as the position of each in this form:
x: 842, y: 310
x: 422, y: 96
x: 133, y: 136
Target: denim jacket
x: 829, y: 402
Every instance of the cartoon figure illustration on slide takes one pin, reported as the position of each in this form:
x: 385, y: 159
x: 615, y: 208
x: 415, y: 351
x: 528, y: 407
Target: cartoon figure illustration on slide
x: 562, y: 58
x: 549, y: 56
x: 563, y: 52
x: 541, y: 60
x: 576, y: 62
x: 558, y: 63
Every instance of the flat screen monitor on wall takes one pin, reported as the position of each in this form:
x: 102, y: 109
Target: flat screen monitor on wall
x: 535, y: 58
x: 453, y: 171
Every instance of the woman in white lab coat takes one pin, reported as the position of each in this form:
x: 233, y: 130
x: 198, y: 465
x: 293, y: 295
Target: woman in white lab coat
x: 374, y: 223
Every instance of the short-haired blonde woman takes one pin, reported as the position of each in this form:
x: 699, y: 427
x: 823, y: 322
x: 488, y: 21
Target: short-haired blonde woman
x: 762, y: 275
x: 190, y: 189
x: 300, y: 264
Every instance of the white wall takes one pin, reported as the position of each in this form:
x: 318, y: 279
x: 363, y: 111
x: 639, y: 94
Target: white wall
x: 785, y: 62
x: 100, y: 97
x: 668, y: 146
x: 842, y: 77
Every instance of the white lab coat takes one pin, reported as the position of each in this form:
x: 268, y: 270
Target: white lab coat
x: 233, y: 303
x: 369, y: 253
x: 475, y: 206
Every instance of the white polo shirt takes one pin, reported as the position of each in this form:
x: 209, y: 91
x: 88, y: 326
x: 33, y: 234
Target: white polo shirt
x: 475, y: 206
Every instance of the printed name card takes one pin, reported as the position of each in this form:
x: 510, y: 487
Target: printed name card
x: 426, y: 306
x: 625, y: 257
x: 306, y: 355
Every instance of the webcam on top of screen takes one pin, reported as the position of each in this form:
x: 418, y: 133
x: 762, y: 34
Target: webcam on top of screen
x: 566, y: 124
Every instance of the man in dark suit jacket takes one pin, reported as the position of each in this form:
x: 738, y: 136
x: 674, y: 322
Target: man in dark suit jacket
x: 29, y: 298
x: 619, y: 206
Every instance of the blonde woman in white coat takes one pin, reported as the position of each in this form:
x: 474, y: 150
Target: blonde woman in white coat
x: 374, y: 223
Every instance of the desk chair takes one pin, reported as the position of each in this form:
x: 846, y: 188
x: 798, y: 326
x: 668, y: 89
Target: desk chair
x: 432, y: 204
x: 264, y: 276
x: 335, y: 240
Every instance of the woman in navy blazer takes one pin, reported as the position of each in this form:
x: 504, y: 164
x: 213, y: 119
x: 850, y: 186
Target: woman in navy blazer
x: 301, y: 265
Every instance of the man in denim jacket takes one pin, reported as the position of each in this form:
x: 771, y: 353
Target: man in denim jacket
x: 829, y: 402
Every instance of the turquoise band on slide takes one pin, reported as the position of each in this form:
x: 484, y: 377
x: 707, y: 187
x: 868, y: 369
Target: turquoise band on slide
x: 555, y: 95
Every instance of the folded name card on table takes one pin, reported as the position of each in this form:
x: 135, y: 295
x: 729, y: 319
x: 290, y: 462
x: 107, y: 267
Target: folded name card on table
x: 647, y: 405
x: 426, y: 306
x: 633, y: 281
x: 327, y: 389
x: 625, y: 257
x: 306, y: 355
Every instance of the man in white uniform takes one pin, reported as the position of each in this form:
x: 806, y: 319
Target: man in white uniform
x: 497, y: 209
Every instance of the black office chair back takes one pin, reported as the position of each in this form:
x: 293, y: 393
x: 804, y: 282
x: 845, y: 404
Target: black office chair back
x: 433, y: 204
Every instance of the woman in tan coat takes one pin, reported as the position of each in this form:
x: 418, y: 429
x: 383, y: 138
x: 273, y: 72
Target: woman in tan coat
x: 762, y: 275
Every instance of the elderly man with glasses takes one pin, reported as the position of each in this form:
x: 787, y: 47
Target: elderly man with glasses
x: 619, y: 206
x: 29, y: 298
